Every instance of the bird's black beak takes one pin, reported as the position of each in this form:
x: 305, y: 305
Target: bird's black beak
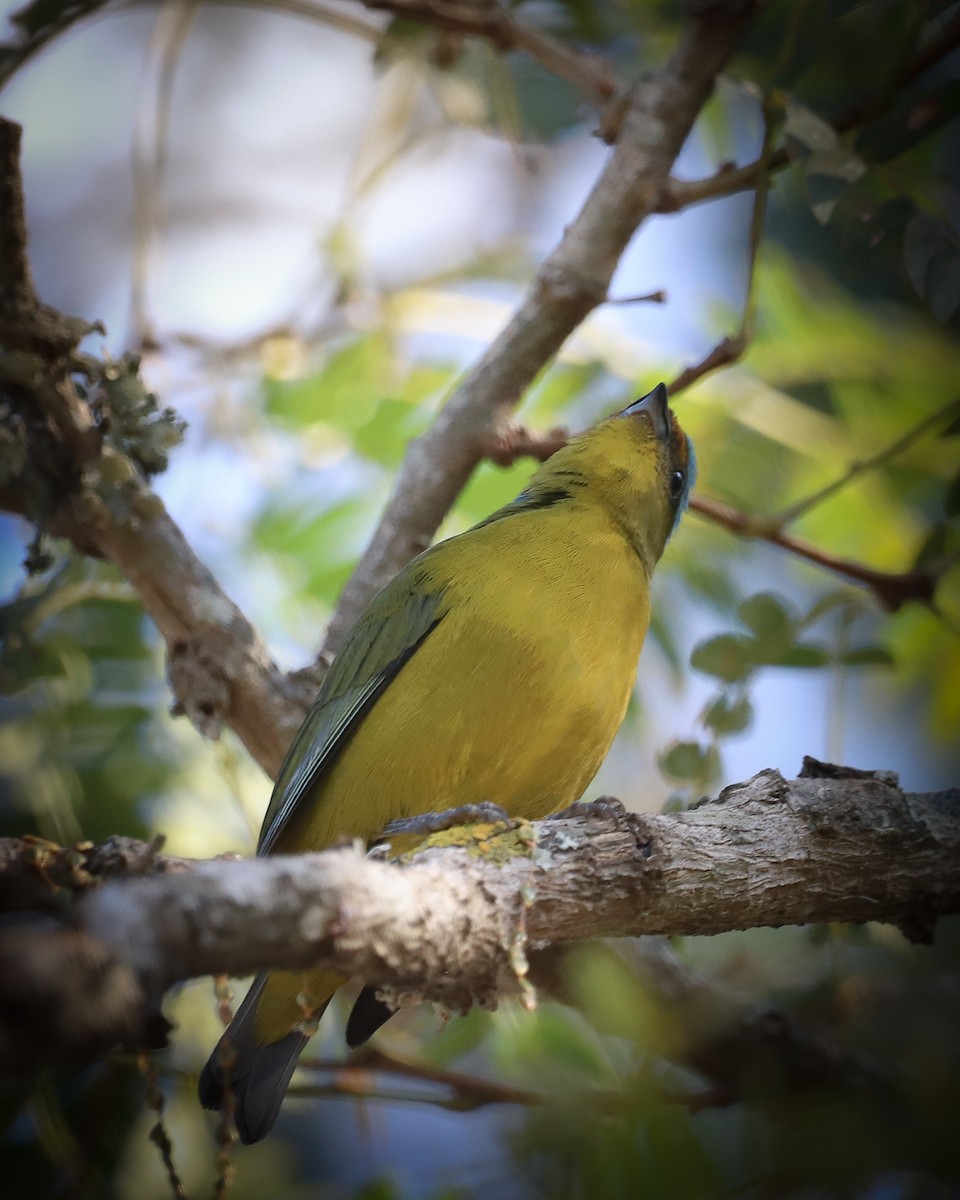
x: 657, y: 407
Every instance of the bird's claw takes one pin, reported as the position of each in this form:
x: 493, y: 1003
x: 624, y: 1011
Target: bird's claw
x: 603, y: 806
x: 467, y: 814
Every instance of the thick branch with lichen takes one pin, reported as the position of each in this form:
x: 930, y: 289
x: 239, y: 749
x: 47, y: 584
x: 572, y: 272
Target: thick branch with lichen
x: 451, y: 924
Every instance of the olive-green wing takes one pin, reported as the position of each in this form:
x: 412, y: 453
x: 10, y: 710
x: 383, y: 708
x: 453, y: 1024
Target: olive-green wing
x: 397, y: 622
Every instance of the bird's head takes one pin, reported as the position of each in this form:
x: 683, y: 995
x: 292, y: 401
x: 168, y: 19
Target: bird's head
x: 638, y: 465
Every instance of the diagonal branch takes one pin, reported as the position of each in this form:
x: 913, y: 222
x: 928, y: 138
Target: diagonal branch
x: 573, y: 280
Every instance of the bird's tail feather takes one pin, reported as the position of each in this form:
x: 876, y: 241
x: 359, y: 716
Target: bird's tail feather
x: 257, y: 1074
x: 366, y: 1017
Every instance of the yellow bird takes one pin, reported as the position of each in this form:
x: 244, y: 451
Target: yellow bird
x: 496, y: 667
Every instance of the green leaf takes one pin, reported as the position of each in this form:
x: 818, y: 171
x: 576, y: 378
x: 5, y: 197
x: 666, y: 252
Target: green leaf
x: 868, y: 656
x: 804, y: 654
x: 385, y: 437
x: 689, y: 762
x: 458, y: 1038
x: 943, y: 284
x: 951, y: 497
x: 767, y: 616
x: 344, y: 393
x: 729, y: 714
x: 912, y: 119
x: 842, y: 598
x: 728, y: 656
x: 772, y: 623
x: 378, y: 1189
x: 933, y: 265
x: 932, y: 547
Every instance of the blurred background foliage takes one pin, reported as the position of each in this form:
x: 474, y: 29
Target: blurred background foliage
x: 327, y: 221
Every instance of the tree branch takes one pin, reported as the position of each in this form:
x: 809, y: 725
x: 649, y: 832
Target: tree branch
x: 451, y: 924
x: 87, y: 481
x: 892, y: 589
x: 574, y: 279
x: 730, y: 179
x: 593, y: 77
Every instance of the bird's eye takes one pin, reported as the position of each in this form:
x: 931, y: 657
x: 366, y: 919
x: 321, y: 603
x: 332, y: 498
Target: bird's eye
x: 677, y: 480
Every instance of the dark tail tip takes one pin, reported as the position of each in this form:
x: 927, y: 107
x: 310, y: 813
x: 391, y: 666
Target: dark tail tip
x: 258, y: 1082
x: 366, y: 1017
x: 257, y: 1075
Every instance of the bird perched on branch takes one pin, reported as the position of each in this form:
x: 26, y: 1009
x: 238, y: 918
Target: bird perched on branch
x: 495, y: 667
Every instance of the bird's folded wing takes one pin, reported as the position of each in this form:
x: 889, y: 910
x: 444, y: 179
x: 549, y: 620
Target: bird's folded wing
x: 390, y: 631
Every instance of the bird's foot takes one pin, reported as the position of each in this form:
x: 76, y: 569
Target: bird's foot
x: 467, y: 814
x: 603, y: 806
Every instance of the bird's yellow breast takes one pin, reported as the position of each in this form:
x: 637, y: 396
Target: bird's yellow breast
x: 517, y: 694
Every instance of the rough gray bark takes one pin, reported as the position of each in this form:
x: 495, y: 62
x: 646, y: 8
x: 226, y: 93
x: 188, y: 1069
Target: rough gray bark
x: 452, y: 924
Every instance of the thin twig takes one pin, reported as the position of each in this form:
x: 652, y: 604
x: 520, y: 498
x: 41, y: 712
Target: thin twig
x: 861, y: 466
x: 16, y: 278
x: 726, y: 352
x: 729, y: 349
x: 151, y: 136
x: 591, y: 75
x: 657, y: 297
x: 573, y: 280
x: 159, y: 1135
x: 505, y: 446
x: 467, y: 1093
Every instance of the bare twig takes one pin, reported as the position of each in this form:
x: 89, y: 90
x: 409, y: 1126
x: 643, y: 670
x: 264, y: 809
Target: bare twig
x: 506, y: 445
x: 466, y: 1093
x: 590, y: 74
x: 726, y: 352
x: 151, y: 129
x: 861, y: 466
x: 657, y: 297
x: 572, y: 281
x: 893, y: 590
x: 729, y: 349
